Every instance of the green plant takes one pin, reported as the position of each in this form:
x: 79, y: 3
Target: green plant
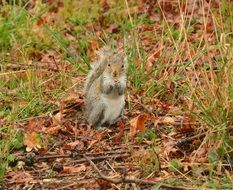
x: 213, y: 97
x: 175, y: 165
x: 149, y: 135
x: 11, y: 140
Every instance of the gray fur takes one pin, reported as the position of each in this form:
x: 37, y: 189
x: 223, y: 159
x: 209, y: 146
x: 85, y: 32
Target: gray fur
x: 102, y: 93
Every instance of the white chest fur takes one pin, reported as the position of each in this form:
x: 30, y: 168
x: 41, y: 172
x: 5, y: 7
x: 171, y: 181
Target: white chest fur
x: 114, y: 106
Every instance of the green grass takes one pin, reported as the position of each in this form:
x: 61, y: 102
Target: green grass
x: 11, y: 140
x: 27, y: 92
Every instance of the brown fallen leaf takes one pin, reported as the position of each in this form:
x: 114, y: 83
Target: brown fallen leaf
x: 91, y: 144
x: 78, y: 145
x: 170, y: 151
x: 169, y: 120
x: 99, y: 135
x: 53, y: 130
x: 93, y: 46
x: 187, y: 126
x: 34, y: 125
x: 74, y: 169
x: 19, y: 177
x: 117, y: 138
x: 57, y: 118
x: 104, y: 184
x: 137, y: 123
x: 32, y: 141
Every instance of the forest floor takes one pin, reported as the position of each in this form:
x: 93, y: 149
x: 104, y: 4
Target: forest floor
x: 177, y: 132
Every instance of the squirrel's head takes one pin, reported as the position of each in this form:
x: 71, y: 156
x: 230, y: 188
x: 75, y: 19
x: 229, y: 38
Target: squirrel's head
x: 116, y: 66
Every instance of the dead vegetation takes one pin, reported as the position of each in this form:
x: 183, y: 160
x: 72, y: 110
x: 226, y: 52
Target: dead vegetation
x: 177, y: 130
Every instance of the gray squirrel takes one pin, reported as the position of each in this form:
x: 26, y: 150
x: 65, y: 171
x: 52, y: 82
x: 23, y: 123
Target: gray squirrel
x: 105, y: 88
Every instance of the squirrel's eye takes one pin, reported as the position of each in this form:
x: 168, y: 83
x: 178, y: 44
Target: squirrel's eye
x: 122, y: 66
x: 108, y: 65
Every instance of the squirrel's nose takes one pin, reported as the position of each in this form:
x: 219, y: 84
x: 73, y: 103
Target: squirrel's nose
x: 114, y: 74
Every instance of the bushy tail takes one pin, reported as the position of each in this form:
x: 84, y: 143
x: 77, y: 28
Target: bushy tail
x: 98, y: 67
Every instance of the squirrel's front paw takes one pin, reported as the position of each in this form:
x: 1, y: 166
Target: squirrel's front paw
x: 120, y: 88
x: 108, y: 89
x: 116, y: 85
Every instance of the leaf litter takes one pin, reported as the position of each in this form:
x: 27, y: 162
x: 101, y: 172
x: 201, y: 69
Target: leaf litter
x: 61, y: 140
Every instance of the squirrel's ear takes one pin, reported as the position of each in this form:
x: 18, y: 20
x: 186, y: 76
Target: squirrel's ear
x: 124, y: 59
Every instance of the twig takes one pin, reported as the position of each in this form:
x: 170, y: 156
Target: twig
x: 96, y: 156
x: 67, y: 186
x: 12, y: 72
x: 99, y: 158
x: 44, y: 158
x: 130, y: 180
x: 30, y: 66
x: 111, y: 152
x: 184, y: 140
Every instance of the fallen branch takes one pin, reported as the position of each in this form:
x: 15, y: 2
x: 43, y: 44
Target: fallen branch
x: 95, y: 156
x: 18, y: 66
x: 130, y: 180
x: 188, y: 139
x: 67, y: 186
x: 99, y: 158
x: 43, y: 158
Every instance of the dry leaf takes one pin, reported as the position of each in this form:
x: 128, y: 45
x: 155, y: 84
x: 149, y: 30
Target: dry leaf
x: 53, y: 130
x: 119, y: 136
x: 103, y: 184
x: 169, y: 120
x: 186, y: 127
x: 20, y: 177
x: 76, y: 169
x: 78, y: 145
x: 92, y: 143
x: 34, y: 125
x: 170, y: 150
x: 137, y: 123
x: 32, y: 141
x: 57, y: 118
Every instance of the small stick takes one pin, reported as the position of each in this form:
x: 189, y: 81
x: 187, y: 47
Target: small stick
x: 30, y: 66
x: 99, y: 158
x: 47, y: 157
x: 184, y: 140
x: 130, y: 180
x: 96, y: 156
x: 67, y: 186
